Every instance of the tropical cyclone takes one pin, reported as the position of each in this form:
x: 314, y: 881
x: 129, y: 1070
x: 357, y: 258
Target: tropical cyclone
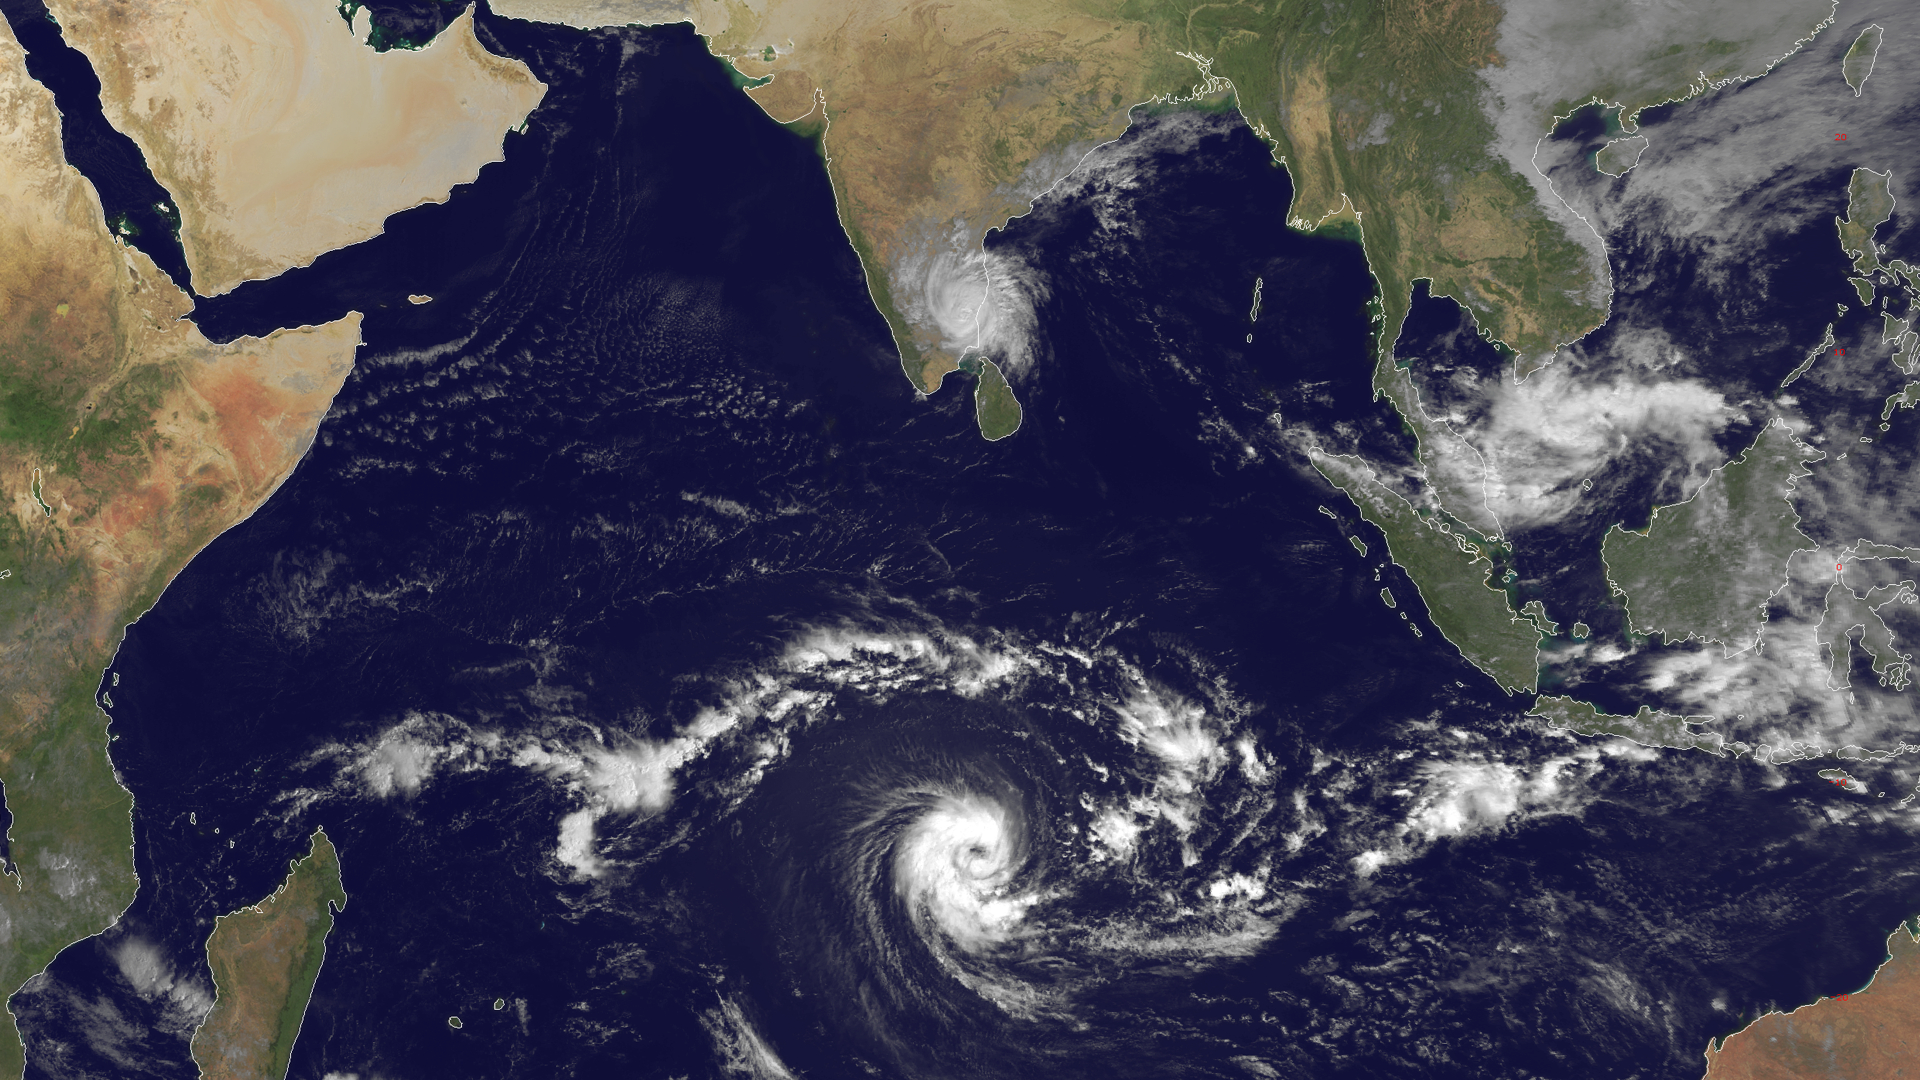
x: 1410, y: 125
x: 1419, y: 118
x: 127, y: 442
x: 947, y: 119
x: 279, y: 133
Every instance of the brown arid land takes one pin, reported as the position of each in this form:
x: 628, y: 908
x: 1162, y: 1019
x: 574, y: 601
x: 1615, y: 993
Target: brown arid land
x: 279, y: 133
x: 949, y: 118
x: 265, y: 959
x: 1404, y: 115
x: 1407, y: 125
x: 1872, y: 1034
x: 945, y: 121
x: 127, y: 442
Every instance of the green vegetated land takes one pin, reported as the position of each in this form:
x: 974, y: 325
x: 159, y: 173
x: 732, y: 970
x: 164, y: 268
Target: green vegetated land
x: 71, y: 827
x: 1377, y: 110
x: 1858, y: 63
x: 100, y: 433
x: 1867, y: 549
x: 1618, y: 156
x: 1869, y: 205
x: 1536, y: 613
x: 1450, y: 574
x: 1705, y: 567
x: 1646, y: 727
x: 1847, y: 611
x: 1907, y: 397
x: 1379, y: 104
x: 1824, y: 348
x: 995, y: 408
x: 265, y: 960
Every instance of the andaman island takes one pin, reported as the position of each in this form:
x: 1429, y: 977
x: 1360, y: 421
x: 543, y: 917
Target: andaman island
x: 1404, y: 125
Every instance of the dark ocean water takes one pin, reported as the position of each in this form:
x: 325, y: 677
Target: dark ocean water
x: 1737, y: 314
x: 1090, y: 752
x: 134, y: 202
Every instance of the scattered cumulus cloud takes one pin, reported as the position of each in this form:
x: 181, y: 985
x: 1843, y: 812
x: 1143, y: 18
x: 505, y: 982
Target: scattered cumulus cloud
x: 612, y: 772
x: 1475, y: 794
x: 146, y: 969
x: 1541, y: 437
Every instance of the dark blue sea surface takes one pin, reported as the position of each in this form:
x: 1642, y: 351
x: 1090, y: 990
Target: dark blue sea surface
x: 671, y: 674
x: 136, y: 205
x: 1733, y: 287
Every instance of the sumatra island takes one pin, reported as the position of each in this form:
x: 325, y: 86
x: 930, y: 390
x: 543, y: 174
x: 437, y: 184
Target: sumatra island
x: 265, y: 959
x: 1451, y: 569
x: 1870, y: 1034
x: 127, y: 442
x: 1410, y: 128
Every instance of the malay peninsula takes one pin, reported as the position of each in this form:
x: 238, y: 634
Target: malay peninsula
x: 1407, y: 125
x: 130, y: 440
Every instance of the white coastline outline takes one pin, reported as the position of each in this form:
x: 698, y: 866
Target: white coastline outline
x: 17, y: 874
x: 1816, y: 1002
x: 1759, y: 638
x: 333, y: 914
x: 1871, y: 60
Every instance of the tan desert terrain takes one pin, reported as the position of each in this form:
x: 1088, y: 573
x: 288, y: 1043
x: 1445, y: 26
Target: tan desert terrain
x: 279, y: 133
x: 127, y: 442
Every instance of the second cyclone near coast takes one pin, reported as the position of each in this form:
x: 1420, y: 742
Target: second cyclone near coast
x: 686, y: 695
